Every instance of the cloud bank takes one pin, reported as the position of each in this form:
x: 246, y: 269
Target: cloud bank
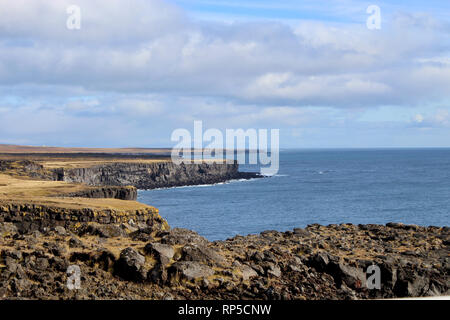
x: 141, y: 68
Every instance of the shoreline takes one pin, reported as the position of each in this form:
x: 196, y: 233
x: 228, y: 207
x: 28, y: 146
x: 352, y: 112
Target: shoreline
x: 143, y: 262
x: 51, y: 218
x: 206, y: 185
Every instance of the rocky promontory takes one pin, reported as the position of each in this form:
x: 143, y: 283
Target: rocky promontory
x: 143, y: 174
x: 153, y: 175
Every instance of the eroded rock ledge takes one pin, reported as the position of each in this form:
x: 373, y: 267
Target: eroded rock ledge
x: 152, y: 175
x: 28, y: 217
x: 131, y: 261
x: 111, y: 192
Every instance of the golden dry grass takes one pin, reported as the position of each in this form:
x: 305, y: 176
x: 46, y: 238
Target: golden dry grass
x: 80, y: 203
x: 27, y: 191
x: 5, y: 148
x: 17, y: 187
x: 70, y: 163
x: 23, y: 187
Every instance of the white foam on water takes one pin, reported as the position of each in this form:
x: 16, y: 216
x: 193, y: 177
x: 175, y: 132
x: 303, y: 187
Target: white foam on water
x: 203, y: 185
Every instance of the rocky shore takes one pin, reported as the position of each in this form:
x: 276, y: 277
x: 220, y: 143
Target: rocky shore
x: 132, y: 261
x: 153, y: 175
x: 54, y: 218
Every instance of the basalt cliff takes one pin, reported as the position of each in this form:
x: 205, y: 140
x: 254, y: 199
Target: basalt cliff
x: 60, y: 212
x: 153, y: 175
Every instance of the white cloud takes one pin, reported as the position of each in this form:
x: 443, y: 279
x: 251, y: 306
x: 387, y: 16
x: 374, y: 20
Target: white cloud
x: 418, y: 118
x: 438, y: 119
x: 151, y: 46
x: 146, y: 62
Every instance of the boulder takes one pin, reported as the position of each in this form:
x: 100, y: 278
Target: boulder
x: 189, y: 270
x: 130, y: 265
x: 273, y: 271
x: 301, y: 232
x: 319, y: 261
x: 183, y: 236
x: 388, y: 271
x: 105, y: 230
x: 74, y: 242
x: 61, y: 231
x: 41, y: 264
x: 353, y: 277
x: 162, y: 252
x: 247, y: 272
x: 7, y: 229
x: 158, y: 274
x: 201, y: 253
x: 411, y: 284
x: 143, y: 233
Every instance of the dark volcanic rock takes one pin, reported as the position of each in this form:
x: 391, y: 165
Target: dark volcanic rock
x: 318, y: 262
x: 189, y: 270
x: 201, y: 253
x: 162, y: 252
x: 111, y: 192
x: 183, y: 236
x: 153, y: 175
x: 105, y: 230
x: 130, y: 265
x: 7, y: 229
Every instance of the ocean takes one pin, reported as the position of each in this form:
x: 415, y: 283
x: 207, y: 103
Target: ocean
x: 411, y: 186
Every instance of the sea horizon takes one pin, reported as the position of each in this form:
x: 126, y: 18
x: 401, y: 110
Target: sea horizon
x: 317, y: 186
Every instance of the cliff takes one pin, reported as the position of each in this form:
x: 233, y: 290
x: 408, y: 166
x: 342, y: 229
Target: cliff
x: 46, y: 191
x: 32, y: 215
x: 56, y: 213
x: 111, y: 192
x: 152, y: 175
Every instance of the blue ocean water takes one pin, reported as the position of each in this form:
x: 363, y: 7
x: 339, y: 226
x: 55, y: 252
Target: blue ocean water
x: 317, y: 186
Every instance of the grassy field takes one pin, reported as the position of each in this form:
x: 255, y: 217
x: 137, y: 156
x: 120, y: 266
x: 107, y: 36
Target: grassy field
x: 68, y: 164
x: 11, y: 186
x: 49, y: 193
x: 17, y: 187
x: 6, y: 148
x: 56, y: 157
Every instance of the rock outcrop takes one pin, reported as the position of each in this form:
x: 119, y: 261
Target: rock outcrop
x: 26, y: 168
x: 152, y: 175
x: 110, y: 192
x: 318, y: 262
x: 30, y: 217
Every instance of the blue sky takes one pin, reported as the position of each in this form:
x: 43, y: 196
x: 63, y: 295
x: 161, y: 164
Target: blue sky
x: 139, y: 69
x: 309, y: 9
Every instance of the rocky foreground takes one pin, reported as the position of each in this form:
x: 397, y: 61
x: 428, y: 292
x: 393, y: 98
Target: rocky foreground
x: 140, y: 261
x: 62, y: 213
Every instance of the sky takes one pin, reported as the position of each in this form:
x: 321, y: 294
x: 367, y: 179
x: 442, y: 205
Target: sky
x: 136, y: 70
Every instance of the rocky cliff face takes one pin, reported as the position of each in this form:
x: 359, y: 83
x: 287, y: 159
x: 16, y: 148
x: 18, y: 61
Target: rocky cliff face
x: 152, y: 175
x: 110, y: 192
x: 30, y: 217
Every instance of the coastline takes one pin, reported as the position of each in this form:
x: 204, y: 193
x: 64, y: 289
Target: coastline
x: 125, y: 249
x: 207, y: 185
x: 123, y: 261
